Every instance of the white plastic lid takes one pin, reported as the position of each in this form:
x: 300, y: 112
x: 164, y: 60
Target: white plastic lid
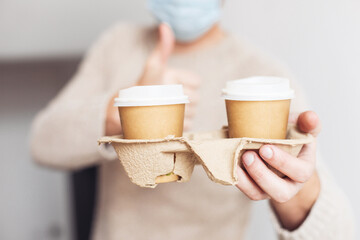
x: 151, y: 95
x: 259, y: 88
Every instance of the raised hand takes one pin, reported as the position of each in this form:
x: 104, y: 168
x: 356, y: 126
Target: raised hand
x: 157, y: 71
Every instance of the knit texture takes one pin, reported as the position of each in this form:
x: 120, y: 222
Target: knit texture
x: 65, y: 133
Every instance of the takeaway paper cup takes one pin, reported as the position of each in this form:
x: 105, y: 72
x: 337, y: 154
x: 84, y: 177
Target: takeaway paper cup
x: 152, y: 112
x: 258, y: 107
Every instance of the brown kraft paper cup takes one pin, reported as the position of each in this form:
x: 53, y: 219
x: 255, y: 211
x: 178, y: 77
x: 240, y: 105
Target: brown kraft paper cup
x: 153, y: 119
x: 258, y: 107
x: 152, y: 122
x: 258, y: 119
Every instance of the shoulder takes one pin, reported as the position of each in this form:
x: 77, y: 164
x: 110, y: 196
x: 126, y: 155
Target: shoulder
x: 131, y: 29
x: 121, y: 39
x: 126, y: 33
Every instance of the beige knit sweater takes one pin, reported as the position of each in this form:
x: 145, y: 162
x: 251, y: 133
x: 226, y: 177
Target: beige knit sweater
x: 64, y: 136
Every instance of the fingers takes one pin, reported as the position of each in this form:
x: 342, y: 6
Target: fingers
x: 186, y: 78
x: 156, y: 63
x: 166, y: 42
x: 298, y: 169
x: 193, y: 97
x: 190, y: 111
x: 189, y: 80
x: 279, y: 189
x: 164, y: 47
x: 308, y: 151
x: 249, y: 187
x: 188, y: 123
x: 157, y: 72
x: 309, y: 122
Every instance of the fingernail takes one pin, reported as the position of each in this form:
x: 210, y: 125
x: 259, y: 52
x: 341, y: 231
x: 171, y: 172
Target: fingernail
x: 267, y: 152
x: 248, y: 159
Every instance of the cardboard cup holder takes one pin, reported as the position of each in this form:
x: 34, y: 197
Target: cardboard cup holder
x: 147, y: 161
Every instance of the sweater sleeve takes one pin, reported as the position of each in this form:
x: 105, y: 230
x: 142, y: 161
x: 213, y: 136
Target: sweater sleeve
x: 65, y: 133
x: 330, y: 218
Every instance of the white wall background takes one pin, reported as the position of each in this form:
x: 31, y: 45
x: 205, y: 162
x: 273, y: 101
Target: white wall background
x: 318, y: 40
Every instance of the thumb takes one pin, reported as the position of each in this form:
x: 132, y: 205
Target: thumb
x: 156, y: 63
x: 166, y: 42
x: 309, y: 122
x: 164, y: 47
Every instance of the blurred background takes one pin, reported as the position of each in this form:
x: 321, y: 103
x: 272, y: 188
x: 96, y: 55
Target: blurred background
x: 42, y: 42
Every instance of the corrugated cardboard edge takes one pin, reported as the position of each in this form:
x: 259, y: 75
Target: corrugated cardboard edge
x: 144, y: 160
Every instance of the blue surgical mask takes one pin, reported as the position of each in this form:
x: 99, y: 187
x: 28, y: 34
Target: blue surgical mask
x: 189, y: 19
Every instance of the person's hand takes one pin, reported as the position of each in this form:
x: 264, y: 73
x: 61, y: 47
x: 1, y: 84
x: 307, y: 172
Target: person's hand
x: 292, y: 196
x: 156, y: 71
x: 112, y: 121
